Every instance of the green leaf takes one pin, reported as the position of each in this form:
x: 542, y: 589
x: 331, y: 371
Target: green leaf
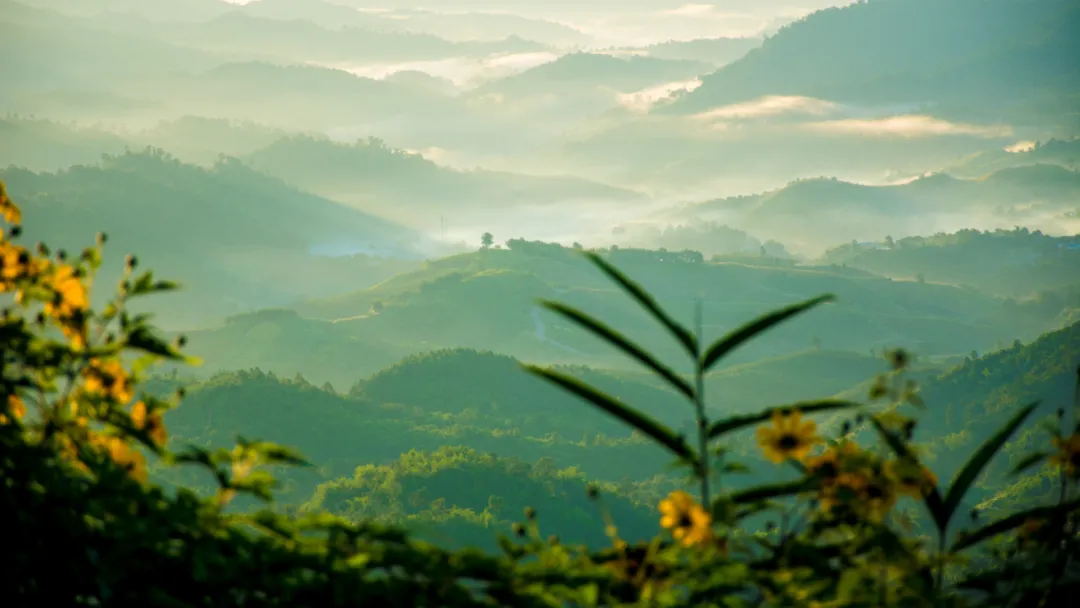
x: 621, y: 342
x: 145, y: 284
x: 1028, y: 462
x: 893, y: 440
x: 143, y: 339
x: 775, y: 490
x: 978, y: 461
x: 660, y: 433
x: 1015, y: 520
x: 259, y: 484
x: 279, y: 454
x: 731, y: 341
x: 648, y: 302
x: 806, y: 407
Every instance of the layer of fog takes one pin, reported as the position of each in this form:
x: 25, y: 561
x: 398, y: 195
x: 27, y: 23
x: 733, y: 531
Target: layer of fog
x: 500, y: 111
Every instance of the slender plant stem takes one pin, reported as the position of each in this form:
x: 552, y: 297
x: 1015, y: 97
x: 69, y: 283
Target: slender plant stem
x: 699, y: 406
x: 939, y: 584
x: 703, y: 436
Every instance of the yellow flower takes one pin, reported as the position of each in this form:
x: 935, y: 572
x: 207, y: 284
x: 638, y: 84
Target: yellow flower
x: 148, y: 421
x: 1068, y: 454
x: 689, y: 523
x: 69, y: 293
x: 866, y: 494
x: 123, y: 455
x: 8, y: 209
x: 833, y: 461
x: 911, y: 478
x: 789, y: 436
x: 878, y: 498
x: 16, y: 407
x: 14, y: 264
x: 75, y: 332
x: 69, y: 451
x: 108, y: 379
x: 842, y: 488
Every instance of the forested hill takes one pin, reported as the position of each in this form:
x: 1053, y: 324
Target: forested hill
x: 804, y: 210
x: 1014, y: 263
x: 484, y: 403
x: 1044, y: 370
x: 228, y: 230
x: 969, y: 57
x: 970, y: 402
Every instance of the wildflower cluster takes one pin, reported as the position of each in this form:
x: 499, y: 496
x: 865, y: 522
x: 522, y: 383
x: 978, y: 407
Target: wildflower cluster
x: 65, y: 382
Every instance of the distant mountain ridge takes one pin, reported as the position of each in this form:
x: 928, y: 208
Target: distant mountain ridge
x: 228, y: 230
x: 1062, y: 152
x: 807, y: 212
x: 299, y: 39
x: 717, y: 51
x: 975, y: 57
x: 596, y: 69
x: 373, y: 175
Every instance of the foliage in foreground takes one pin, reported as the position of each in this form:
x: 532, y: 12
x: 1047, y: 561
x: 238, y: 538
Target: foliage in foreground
x: 841, y: 540
x: 85, y: 527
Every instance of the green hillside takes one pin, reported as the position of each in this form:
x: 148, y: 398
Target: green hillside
x: 227, y: 230
x: 337, y: 433
x: 42, y: 145
x: 457, y: 497
x: 483, y: 402
x: 1013, y: 263
x: 490, y: 295
x: 970, y: 401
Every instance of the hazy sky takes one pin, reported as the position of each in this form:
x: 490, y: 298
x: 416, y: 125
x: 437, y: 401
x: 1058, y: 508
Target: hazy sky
x: 629, y: 22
